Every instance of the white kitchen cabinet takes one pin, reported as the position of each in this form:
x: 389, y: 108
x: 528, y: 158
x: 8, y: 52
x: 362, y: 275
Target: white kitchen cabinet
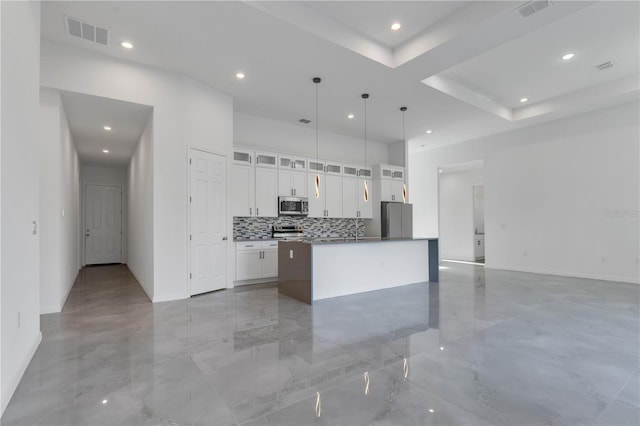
x: 266, y: 184
x: 349, y: 197
x: 243, y: 156
x: 291, y: 162
x: 254, y: 191
x: 266, y: 159
x: 256, y: 260
x: 292, y: 183
x: 329, y: 204
x: 269, y: 267
x: 349, y: 191
x: 391, y: 190
x: 333, y: 195
x: 243, y: 190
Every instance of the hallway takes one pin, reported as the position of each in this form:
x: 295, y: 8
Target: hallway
x: 481, y: 348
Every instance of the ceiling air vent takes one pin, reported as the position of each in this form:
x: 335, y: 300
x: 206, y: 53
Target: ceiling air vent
x: 604, y: 66
x: 531, y: 7
x: 86, y: 31
x: 304, y: 121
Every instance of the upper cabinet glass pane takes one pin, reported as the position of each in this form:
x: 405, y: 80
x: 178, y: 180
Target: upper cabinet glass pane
x: 266, y: 159
x: 243, y: 157
x: 285, y: 162
x: 352, y: 171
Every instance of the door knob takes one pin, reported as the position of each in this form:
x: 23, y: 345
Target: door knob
x: 88, y: 235
x: 224, y: 238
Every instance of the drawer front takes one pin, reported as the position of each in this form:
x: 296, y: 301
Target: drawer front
x: 266, y: 245
x: 253, y: 245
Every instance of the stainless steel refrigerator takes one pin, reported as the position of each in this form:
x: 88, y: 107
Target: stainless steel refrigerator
x: 397, y: 220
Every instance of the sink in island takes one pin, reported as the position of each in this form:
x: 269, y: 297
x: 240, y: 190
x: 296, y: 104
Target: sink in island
x: 321, y: 269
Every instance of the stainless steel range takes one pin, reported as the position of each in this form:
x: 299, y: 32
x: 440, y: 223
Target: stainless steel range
x: 287, y: 232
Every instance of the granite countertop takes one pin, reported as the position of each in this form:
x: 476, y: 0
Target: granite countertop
x: 318, y: 241
x: 255, y: 239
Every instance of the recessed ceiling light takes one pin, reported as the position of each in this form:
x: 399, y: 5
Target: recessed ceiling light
x: 240, y: 75
x: 440, y: 171
x: 429, y: 132
x: 568, y: 56
x: 126, y: 45
x: 350, y: 116
x: 104, y: 401
x: 442, y: 348
x: 395, y: 26
x: 523, y: 100
x: 107, y: 128
x: 106, y: 151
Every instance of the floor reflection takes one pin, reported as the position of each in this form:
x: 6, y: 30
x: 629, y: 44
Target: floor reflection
x: 480, y: 347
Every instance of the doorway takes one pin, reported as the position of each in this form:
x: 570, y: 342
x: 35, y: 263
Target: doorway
x: 207, y: 206
x: 461, y: 212
x: 103, y: 224
x: 478, y: 222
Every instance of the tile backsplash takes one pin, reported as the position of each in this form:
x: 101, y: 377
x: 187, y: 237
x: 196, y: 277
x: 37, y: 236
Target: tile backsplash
x: 320, y: 227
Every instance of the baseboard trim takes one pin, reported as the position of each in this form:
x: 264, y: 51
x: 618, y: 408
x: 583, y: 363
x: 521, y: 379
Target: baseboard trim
x: 52, y: 309
x: 7, y: 393
x: 66, y: 296
x: 170, y: 297
x: 566, y: 274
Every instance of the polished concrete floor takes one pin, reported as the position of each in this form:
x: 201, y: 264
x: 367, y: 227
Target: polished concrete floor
x: 480, y: 348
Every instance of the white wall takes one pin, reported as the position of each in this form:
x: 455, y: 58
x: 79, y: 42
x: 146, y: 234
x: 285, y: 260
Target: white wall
x: 103, y: 176
x: 547, y: 189
x: 456, y: 214
x: 20, y: 47
x: 59, y: 201
x: 397, y: 155
x: 254, y: 131
x: 140, y: 211
x: 185, y: 113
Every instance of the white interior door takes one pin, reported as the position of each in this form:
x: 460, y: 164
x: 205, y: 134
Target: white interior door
x: 103, y: 220
x: 208, y: 218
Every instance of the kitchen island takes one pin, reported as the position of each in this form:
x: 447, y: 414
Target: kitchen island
x: 321, y: 269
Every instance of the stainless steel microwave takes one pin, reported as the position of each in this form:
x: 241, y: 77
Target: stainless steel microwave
x: 293, y: 206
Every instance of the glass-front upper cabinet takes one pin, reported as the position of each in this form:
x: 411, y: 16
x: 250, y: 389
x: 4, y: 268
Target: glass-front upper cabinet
x: 242, y: 156
x: 266, y: 159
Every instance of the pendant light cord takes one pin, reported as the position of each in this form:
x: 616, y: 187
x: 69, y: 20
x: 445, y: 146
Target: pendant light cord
x: 365, y: 133
x: 317, y: 157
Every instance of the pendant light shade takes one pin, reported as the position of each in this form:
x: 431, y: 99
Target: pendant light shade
x: 365, y: 194
x: 316, y: 81
x: 404, y: 139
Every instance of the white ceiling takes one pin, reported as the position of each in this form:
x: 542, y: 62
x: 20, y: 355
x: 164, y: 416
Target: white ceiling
x: 87, y: 116
x: 457, y: 66
x: 373, y: 19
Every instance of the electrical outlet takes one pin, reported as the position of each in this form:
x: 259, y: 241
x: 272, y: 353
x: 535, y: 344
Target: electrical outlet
x: 290, y: 254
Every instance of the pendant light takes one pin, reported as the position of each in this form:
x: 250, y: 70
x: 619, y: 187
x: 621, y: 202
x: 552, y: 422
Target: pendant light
x: 404, y: 139
x: 365, y: 96
x: 316, y: 81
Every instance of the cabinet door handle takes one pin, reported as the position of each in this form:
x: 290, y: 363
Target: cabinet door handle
x: 250, y: 211
x: 257, y: 211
